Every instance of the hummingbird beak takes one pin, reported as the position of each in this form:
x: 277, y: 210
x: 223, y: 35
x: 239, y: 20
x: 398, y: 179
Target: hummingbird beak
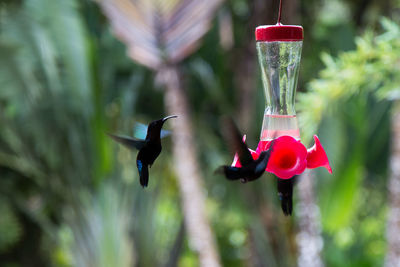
x: 169, y: 117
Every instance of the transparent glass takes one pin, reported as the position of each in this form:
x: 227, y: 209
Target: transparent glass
x: 279, y: 62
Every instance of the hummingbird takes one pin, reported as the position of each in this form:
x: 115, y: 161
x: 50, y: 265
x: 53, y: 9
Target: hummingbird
x: 149, y: 148
x: 251, y: 169
x: 285, y: 193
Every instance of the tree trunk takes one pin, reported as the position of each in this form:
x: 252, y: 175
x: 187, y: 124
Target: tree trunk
x: 201, y: 238
x: 309, y: 240
x: 393, y: 221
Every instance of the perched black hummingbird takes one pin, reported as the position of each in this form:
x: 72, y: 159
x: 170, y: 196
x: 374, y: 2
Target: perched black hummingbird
x: 149, y: 148
x: 251, y: 169
x: 285, y: 193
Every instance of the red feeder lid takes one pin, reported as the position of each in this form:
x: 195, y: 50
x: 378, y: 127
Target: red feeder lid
x: 279, y: 32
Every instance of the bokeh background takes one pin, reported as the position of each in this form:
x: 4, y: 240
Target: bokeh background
x: 73, y: 70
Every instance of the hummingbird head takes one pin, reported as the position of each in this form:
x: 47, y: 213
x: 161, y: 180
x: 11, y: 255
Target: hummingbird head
x: 155, y: 127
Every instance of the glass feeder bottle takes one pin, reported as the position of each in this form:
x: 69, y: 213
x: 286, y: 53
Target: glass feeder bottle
x: 279, y: 53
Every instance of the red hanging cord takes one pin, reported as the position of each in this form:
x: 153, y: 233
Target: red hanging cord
x: 280, y: 12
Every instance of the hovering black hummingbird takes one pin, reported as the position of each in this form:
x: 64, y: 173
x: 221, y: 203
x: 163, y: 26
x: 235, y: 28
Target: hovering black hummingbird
x: 149, y: 148
x: 285, y: 193
x: 251, y: 169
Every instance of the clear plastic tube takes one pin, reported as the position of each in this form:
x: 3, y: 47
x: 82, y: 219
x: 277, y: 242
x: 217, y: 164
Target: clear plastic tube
x: 280, y: 62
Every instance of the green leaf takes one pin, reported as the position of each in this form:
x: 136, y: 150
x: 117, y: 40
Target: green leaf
x: 10, y: 228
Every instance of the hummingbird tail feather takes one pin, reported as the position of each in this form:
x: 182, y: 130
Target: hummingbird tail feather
x: 143, y: 173
x: 285, y: 192
x: 287, y: 205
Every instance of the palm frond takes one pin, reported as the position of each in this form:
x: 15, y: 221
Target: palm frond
x: 100, y: 230
x: 160, y: 32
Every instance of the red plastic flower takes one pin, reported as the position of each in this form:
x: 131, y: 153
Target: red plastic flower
x: 316, y: 156
x: 290, y: 157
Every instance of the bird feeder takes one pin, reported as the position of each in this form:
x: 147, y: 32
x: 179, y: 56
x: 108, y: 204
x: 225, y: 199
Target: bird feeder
x: 279, y: 53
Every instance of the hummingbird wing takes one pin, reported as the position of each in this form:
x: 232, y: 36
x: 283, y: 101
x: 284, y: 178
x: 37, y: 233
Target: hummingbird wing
x: 128, y: 141
x: 143, y: 173
x: 233, y: 173
x: 263, y: 159
x: 234, y: 138
x: 285, y: 192
x: 165, y: 133
x: 140, y: 130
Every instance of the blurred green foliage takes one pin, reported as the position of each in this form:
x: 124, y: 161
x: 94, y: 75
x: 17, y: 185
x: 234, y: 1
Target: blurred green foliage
x: 70, y: 197
x: 10, y: 229
x: 363, y: 81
